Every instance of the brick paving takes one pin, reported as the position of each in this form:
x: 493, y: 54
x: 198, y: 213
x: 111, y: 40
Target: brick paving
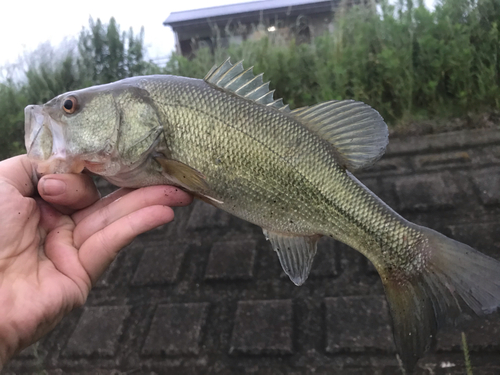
x: 206, y: 294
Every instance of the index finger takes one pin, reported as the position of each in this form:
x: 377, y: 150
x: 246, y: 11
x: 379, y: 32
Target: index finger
x: 131, y: 200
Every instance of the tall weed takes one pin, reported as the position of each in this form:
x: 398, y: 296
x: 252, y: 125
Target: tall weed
x: 405, y: 60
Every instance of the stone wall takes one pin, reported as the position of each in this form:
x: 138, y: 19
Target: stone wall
x: 206, y: 294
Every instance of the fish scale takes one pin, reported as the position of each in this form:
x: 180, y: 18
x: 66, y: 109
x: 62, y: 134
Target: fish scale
x: 317, y: 167
x: 226, y: 140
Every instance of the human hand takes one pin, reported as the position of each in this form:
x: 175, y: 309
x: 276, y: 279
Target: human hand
x: 52, y: 254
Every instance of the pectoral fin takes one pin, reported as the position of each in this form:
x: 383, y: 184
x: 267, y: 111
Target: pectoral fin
x: 183, y: 175
x: 295, y: 253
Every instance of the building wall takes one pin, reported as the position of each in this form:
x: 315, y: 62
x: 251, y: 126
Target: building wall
x: 206, y: 294
x: 222, y: 33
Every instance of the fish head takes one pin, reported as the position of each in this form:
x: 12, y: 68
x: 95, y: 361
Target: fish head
x: 72, y: 131
x: 100, y: 129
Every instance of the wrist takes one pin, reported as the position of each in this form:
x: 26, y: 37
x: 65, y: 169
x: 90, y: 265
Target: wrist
x: 7, y: 349
x: 3, y: 358
x: 3, y: 354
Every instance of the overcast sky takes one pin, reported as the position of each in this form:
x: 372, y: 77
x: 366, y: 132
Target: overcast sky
x: 26, y: 24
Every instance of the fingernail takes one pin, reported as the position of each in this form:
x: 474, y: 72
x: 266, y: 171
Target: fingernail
x: 52, y: 187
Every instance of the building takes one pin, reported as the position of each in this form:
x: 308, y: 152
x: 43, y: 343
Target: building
x: 222, y: 25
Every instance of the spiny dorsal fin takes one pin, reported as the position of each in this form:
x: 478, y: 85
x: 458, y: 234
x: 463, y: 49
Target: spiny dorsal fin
x: 244, y: 83
x: 357, y: 131
x: 296, y: 254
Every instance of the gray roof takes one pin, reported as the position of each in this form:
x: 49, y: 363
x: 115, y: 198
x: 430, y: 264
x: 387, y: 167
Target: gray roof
x: 226, y: 10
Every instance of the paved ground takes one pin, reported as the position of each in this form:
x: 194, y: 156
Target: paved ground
x: 206, y: 294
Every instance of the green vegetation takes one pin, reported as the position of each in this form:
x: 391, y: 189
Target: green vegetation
x: 465, y: 349
x: 406, y: 61
x: 102, y: 54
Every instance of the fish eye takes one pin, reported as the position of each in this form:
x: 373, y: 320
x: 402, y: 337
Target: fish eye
x: 70, y: 105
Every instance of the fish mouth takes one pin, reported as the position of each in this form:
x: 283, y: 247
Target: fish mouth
x: 46, y: 144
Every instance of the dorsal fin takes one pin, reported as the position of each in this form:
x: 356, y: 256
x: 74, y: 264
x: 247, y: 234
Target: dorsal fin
x: 244, y: 83
x: 357, y: 131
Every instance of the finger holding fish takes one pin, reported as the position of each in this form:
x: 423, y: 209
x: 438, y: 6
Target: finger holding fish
x: 103, y: 202
x: 68, y: 192
x: 100, y: 248
x: 124, y: 203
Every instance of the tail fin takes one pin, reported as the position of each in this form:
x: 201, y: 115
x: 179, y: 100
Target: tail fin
x: 456, y: 275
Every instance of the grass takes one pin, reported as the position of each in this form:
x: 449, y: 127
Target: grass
x: 465, y: 349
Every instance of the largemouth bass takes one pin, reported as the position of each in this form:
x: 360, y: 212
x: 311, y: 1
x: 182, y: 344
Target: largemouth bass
x: 226, y: 140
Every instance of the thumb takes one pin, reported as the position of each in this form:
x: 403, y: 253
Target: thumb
x: 71, y: 191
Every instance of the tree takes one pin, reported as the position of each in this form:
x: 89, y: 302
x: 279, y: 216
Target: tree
x: 107, y: 55
x: 102, y: 54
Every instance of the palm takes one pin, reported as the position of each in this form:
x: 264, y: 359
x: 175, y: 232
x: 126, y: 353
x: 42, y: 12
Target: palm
x: 37, y: 288
x: 50, y: 258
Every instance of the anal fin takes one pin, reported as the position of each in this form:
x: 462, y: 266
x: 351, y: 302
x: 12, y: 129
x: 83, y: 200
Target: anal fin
x: 296, y: 254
